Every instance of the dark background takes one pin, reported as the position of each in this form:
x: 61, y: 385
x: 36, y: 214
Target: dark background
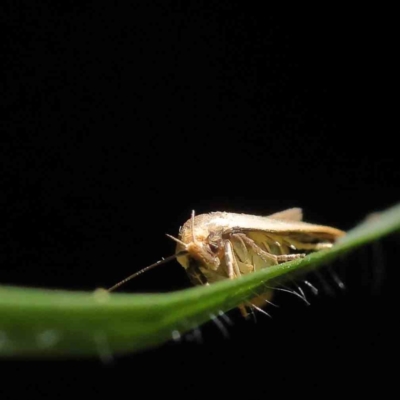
x: 119, y: 120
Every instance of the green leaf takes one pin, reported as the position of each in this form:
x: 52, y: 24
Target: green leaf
x: 42, y: 323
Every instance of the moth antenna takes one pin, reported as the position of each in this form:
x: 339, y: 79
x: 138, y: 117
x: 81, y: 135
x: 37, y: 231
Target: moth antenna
x: 193, y: 236
x: 176, y: 240
x: 145, y: 269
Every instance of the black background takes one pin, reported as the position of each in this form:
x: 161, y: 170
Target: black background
x: 119, y: 120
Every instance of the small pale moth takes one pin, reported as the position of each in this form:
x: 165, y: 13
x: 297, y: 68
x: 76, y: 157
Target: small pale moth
x: 222, y: 245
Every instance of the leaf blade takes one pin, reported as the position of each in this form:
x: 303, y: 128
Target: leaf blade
x: 41, y: 323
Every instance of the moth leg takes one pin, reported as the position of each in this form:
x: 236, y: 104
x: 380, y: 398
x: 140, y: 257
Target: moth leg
x: 258, y: 250
x: 280, y: 247
x: 279, y: 243
x: 276, y: 258
x: 289, y: 257
x: 243, y: 311
x: 195, y: 275
x: 241, y: 253
x: 267, y: 247
x: 244, y: 257
x: 230, y: 260
x: 233, y: 267
x: 296, y: 245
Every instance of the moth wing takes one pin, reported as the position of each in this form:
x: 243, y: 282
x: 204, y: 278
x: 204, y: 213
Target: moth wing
x: 279, y: 243
x: 291, y: 214
x: 278, y: 234
x: 267, y: 225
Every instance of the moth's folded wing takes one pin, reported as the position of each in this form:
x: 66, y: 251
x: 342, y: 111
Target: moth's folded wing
x: 291, y: 214
x: 280, y: 242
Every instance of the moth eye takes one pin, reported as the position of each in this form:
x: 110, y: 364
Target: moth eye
x: 213, y: 247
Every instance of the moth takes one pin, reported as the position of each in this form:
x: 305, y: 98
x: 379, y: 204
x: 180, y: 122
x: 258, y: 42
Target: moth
x: 221, y: 245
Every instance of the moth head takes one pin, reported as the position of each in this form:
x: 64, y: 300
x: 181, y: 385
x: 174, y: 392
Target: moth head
x: 205, y: 251
x: 194, y: 251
